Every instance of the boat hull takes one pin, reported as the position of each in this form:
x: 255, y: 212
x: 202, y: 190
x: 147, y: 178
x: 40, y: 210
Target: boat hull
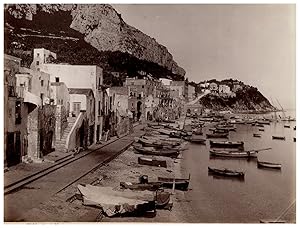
x: 233, y: 154
x: 152, y: 162
x: 226, y: 172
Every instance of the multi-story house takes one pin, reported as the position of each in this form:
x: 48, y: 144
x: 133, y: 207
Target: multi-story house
x: 15, y: 115
x: 138, y: 90
x: 182, y: 87
x: 77, y: 77
x: 34, y: 86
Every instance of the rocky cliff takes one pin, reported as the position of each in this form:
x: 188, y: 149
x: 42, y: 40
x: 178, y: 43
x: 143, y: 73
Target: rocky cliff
x: 100, y: 26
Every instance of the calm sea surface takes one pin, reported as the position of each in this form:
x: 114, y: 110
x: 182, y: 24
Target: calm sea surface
x: 264, y: 194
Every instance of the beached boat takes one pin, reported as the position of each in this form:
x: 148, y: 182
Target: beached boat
x: 150, y: 186
x: 197, y: 140
x: 152, y: 151
x: 256, y: 135
x: 226, y: 172
x: 261, y: 129
x: 152, y: 162
x: 217, y: 135
x: 270, y: 165
x: 226, y: 144
x: 157, y: 143
x: 233, y: 154
x: 260, y: 125
x: 278, y: 137
x: 118, y: 203
x: 286, y: 126
x: 266, y: 122
x: 180, y: 183
x: 198, y: 131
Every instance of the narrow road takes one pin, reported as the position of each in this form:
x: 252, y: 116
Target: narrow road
x: 31, y: 195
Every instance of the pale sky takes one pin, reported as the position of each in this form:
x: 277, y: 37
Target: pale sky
x: 252, y: 43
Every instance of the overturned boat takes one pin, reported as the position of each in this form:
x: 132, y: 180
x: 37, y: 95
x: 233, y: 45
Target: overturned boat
x: 227, y: 144
x: 117, y: 203
x: 270, y: 165
x: 152, y: 162
x: 226, y: 172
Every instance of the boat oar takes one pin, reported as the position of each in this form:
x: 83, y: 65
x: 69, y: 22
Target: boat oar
x: 259, y: 150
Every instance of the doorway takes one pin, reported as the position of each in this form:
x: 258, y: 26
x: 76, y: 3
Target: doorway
x: 76, y: 108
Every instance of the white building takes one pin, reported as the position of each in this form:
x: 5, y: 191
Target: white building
x: 77, y: 77
x: 224, y: 89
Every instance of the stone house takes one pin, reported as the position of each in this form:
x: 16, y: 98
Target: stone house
x: 15, y: 115
x: 182, y: 87
x: 79, y: 77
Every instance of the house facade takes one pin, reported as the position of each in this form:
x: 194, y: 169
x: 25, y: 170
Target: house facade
x: 79, y: 77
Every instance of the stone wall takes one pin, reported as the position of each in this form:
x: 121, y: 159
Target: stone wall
x: 47, y: 122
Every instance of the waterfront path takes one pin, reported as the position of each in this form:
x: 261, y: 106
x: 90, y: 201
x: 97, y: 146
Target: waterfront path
x: 32, y: 194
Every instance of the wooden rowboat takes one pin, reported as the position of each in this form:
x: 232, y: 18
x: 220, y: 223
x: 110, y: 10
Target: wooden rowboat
x: 152, y: 151
x: 226, y: 172
x: 270, y: 165
x: 198, y: 141
x: 152, y: 162
x: 151, y: 186
x: 278, y: 137
x: 227, y: 144
x: 217, y: 135
x: 233, y: 154
x: 180, y: 183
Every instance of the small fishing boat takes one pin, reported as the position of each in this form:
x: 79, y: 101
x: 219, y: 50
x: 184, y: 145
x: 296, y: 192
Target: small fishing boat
x: 256, y: 135
x: 198, y: 131
x: 278, y: 137
x: 150, y: 186
x: 261, y: 129
x: 270, y: 165
x: 227, y: 144
x: 152, y: 151
x: 217, y: 135
x: 197, y: 140
x: 226, y: 128
x: 180, y: 183
x: 263, y: 122
x: 286, y: 126
x: 226, y: 172
x: 233, y: 154
x: 152, y: 162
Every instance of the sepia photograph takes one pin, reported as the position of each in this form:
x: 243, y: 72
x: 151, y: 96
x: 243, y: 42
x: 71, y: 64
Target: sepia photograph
x: 149, y: 113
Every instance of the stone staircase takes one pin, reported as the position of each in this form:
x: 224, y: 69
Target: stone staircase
x: 60, y: 144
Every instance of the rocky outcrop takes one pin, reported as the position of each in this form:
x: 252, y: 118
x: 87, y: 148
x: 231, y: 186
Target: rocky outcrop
x: 105, y: 30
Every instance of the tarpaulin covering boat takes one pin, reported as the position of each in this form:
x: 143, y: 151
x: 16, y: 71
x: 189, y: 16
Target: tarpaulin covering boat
x: 114, y: 203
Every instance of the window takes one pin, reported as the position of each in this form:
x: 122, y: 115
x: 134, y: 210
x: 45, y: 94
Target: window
x: 37, y: 63
x: 56, y: 79
x: 42, y: 82
x: 38, y: 55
